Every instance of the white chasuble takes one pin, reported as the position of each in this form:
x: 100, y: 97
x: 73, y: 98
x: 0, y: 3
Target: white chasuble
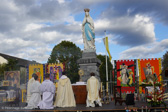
x: 35, y: 95
x: 65, y: 95
x: 47, y: 89
x: 93, y: 88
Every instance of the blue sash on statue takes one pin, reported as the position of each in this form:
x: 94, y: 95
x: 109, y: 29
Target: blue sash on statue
x: 87, y: 31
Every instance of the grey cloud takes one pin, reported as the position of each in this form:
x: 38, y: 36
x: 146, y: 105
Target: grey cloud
x: 129, y: 31
x: 6, y: 24
x: 145, y: 51
x: 49, y: 10
x: 66, y: 29
x: 129, y: 36
x: 25, y: 2
x: 55, y: 12
x: 8, y: 13
x: 15, y: 15
x: 20, y: 13
x: 16, y: 44
x: 156, y: 8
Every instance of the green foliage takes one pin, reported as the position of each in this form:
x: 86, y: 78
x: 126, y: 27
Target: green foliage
x: 102, y: 68
x: 165, y: 62
x: 23, y: 75
x: 68, y: 53
x: 2, y: 69
x: 10, y: 66
x: 164, y: 65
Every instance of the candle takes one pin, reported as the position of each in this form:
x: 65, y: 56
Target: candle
x: 107, y: 86
x: 101, y: 87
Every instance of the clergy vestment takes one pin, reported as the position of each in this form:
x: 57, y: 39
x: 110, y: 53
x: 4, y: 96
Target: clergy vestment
x: 93, y: 87
x: 28, y: 88
x: 35, y: 95
x: 47, y: 89
x: 65, y: 95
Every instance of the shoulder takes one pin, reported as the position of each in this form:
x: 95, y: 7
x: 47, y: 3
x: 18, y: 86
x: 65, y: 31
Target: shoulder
x: 31, y: 80
x: 38, y: 82
x: 94, y: 78
x: 50, y: 82
x: 43, y: 83
x: 60, y: 80
x: 68, y: 79
x: 89, y: 79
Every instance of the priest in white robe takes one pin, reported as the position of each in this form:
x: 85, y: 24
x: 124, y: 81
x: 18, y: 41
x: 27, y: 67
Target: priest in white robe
x: 65, y: 95
x: 47, y: 89
x: 93, y: 87
x: 35, y: 94
x: 30, y: 82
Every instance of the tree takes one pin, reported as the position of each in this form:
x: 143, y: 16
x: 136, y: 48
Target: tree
x: 68, y: 53
x: 10, y: 66
x: 2, y: 69
x: 23, y: 75
x: 164, y: 64
x: 102, y: 68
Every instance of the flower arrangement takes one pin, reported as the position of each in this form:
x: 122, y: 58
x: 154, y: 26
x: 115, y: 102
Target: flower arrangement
x: 156, y: 96
x: 144, y: 83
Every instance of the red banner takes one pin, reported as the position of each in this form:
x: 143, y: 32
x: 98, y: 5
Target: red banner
x: 126, y: 75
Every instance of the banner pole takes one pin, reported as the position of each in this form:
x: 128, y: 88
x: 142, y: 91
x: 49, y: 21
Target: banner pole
x: 106, y: 59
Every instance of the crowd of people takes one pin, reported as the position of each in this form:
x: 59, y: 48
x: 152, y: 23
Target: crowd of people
x: 44, y: 96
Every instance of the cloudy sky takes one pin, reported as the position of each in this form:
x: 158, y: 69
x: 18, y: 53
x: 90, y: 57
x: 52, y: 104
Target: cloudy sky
x: 30, y: 29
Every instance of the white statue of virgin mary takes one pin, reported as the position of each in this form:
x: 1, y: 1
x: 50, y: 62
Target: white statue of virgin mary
x: 88, y: 33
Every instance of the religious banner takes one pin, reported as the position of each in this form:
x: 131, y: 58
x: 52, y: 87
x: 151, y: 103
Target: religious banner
x: 126, y: 71
x: 38, y: 69
x: 24, y: 96
x: 149, y: 71
x: 55, y: 71
x: 5, y: 83
x: 13, y: 77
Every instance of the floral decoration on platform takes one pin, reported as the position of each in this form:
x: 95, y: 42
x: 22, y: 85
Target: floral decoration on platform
x: 144, y: 84
x: 157, y: 96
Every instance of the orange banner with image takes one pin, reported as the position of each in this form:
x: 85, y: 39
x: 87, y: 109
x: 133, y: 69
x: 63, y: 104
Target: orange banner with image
x: 149, y: 66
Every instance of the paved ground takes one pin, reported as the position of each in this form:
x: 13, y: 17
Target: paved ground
x: 82, y: 107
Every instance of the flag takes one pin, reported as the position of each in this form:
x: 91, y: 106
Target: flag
x: 107, y: 47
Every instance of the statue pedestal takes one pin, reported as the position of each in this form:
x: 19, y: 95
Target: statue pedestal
x: 89, y: 63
